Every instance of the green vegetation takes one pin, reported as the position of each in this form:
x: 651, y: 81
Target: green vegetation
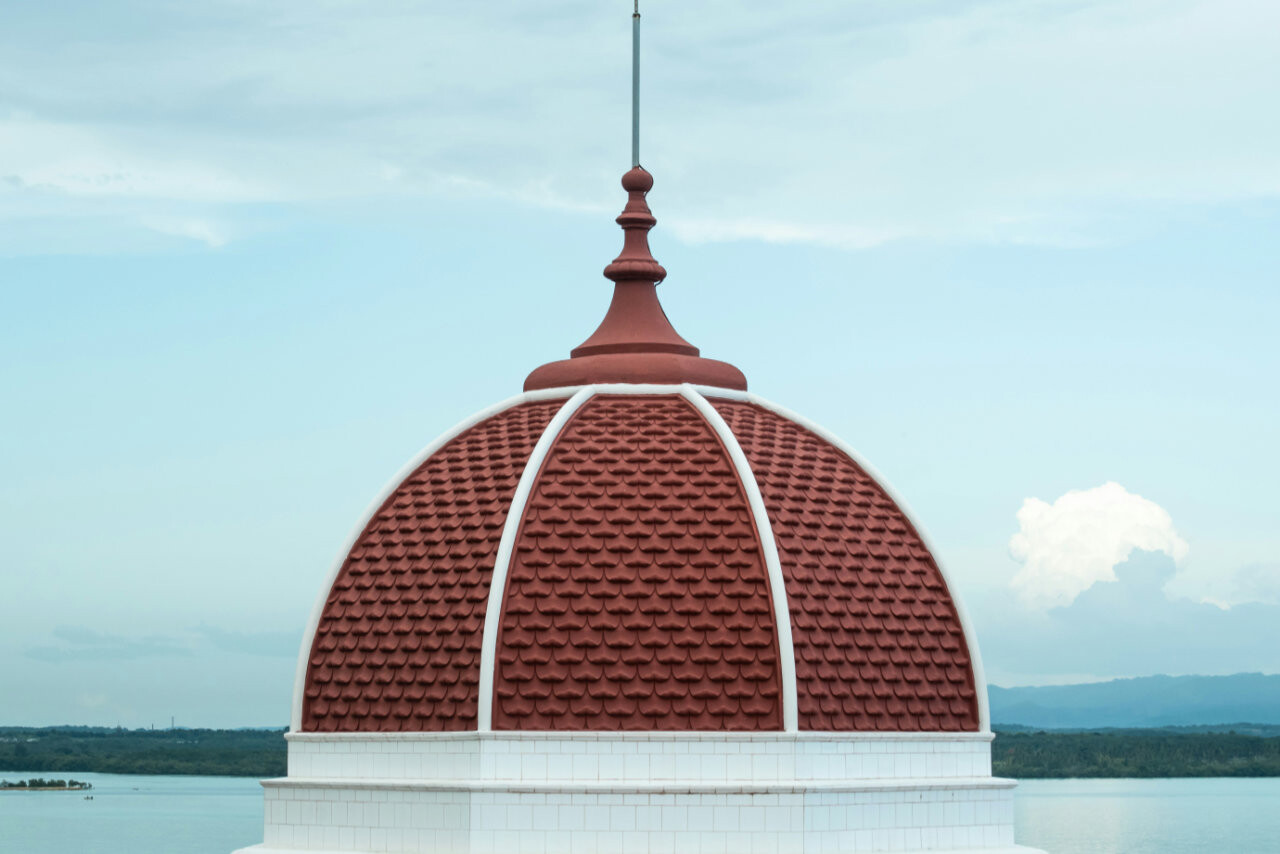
x: 1016, y: 752
x: 211, y: 752
x: 1134, y: 753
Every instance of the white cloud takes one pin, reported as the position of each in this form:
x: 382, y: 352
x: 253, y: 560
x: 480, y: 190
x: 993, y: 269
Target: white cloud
x: 1068, y: 546
x: 1127, y: 627
x: 1257, y: 582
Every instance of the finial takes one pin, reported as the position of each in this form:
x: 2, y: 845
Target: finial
x: 635, y: 343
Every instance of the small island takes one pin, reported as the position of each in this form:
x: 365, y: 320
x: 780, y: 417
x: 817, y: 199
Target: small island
x: 38, y: 784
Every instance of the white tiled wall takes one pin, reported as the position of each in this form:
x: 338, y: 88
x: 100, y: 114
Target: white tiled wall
x: 390, y: 819
x: 372, y: 820
x: 498, y: 793
x: 632, y: 759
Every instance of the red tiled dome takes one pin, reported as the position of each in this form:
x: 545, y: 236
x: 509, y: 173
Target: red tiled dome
x: 637, y: 593
x: 605, y: 555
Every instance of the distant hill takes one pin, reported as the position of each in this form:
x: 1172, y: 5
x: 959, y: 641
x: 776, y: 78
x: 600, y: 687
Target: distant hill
x: 1149, y: 701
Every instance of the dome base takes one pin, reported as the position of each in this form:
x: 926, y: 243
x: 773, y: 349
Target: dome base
x: 555, y: 793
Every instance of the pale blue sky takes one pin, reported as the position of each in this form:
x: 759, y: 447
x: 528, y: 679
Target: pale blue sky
x: 251, y: 261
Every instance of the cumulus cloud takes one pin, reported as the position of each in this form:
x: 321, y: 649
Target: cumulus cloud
x: 1068, y: 546
x: 1257, y: 582
x: 1128, y: 627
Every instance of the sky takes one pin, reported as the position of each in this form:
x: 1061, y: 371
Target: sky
x: 1021, y: 254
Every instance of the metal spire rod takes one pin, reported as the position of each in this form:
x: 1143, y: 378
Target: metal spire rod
x: 635, y: 85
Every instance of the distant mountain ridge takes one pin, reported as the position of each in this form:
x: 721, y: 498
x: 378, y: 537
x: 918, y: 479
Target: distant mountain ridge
x: 1148, y: 701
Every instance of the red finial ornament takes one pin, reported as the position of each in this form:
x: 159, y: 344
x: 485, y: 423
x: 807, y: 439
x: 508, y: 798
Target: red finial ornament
x: 635, y: 343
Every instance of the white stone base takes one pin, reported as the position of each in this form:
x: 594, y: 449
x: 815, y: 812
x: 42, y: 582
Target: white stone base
x: 652, y: 794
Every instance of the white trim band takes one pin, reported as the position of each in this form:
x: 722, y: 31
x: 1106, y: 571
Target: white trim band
x: 656, y: 787
x: 766, y: 736
x: 769, y: 548
x: 501, y: 563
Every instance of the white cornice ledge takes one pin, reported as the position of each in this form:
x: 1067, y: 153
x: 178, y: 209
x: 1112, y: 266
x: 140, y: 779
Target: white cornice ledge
x: 682, y: 735
x: 652, y: 787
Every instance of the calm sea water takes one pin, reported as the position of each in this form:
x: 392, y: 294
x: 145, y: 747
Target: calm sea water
x: 1217, y: 816
x: 132, y: 815
x: 216, y: 815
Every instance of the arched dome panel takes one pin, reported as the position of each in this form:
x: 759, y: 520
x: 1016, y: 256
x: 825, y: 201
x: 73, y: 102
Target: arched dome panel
x: 397, y: 645
x: 637, y: 598
x: 879, y: 643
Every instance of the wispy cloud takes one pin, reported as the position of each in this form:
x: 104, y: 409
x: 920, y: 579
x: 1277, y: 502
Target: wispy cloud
x: 1257, y: 582
x: 79, y: 160
x: 202, y: 231
x: 772, y: 231
x: 79, y: 643
x: 83, y: 644
x: 833, y: 124
x: 283, y: 644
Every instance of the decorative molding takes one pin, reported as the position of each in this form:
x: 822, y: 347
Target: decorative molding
x: 666, y: 787
x: 657, y: 735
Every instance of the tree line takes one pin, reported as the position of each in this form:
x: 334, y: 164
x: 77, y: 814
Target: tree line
x: 261, y: 753
x: 1134, y: 753
x: 203, y: 752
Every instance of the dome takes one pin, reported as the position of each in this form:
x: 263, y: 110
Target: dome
x: 639, y: 558
x: 638, y: 608
x: 634, y: 544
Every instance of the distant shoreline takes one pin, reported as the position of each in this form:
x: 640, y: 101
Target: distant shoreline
x: 1133, y: 754
x: 1016, y: 752
x: 182, y: 752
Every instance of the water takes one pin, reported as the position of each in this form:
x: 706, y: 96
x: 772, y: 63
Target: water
x: 131, y: 815
x: 216, y: 815
x: 1188, y: 816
